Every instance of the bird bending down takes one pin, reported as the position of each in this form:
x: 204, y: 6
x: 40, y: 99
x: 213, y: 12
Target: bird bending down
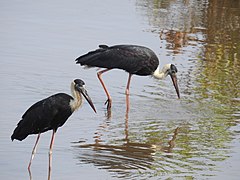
x: 50, y: 114
x: 134, y: 59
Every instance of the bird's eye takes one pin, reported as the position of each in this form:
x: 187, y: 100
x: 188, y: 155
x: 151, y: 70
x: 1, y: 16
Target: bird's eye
x: 173, y: 71
x: 173, y: 68
x: 77, y: 87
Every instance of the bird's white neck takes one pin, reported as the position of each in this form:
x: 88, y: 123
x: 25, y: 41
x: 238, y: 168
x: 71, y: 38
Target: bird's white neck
x: 159, y: 74
x: 76, y: 102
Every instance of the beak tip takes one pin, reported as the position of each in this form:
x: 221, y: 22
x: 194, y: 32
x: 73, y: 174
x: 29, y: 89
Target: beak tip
x: 93, y: 107
x: 174, y: 80
x: 178, y: 95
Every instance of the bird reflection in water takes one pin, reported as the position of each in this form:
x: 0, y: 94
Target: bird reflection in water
x: 121, y: 158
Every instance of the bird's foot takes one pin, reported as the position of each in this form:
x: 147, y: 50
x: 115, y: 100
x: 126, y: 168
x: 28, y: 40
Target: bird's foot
x: 109, y: 104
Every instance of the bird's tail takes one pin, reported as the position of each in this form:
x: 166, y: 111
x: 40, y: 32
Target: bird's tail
x: 90, y: 58
x: 19, y: 133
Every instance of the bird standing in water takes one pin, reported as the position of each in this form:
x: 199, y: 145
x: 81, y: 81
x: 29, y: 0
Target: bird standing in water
x: 50, y: 114
x: 134, y: 59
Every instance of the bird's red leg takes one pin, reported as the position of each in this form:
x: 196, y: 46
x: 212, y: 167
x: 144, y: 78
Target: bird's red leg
x: 109, y: 100
x: 127, y: 92
x: 33, y: 152
x: 50, y: 155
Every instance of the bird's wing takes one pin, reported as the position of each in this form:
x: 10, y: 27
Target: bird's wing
x: 45, y: 112
x: 41, y: 116
x: 126, y: 57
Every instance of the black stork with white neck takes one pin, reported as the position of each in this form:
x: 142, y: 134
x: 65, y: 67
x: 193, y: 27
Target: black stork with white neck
x: 50, y: 114
x: 134, y: 59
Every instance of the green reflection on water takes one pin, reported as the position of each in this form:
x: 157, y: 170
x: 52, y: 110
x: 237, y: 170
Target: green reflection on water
x: 191, y: 139
x: 216, y: 87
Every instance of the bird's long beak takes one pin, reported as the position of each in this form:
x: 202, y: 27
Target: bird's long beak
x: 87, y: 97
x: 174, y: 80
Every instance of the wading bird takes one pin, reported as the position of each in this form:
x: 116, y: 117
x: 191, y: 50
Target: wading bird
x: 50, y: 114
x: 134, y: 59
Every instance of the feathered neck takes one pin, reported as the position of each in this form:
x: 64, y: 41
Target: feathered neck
x: 160, y: 74
x: 76, y: 102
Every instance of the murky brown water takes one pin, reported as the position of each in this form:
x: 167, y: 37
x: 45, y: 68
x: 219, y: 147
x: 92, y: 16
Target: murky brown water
x: 196, y: 137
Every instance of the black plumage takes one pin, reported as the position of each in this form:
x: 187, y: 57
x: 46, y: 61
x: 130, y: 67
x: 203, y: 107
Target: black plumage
x: 47, y: 114
x: 134, y: 59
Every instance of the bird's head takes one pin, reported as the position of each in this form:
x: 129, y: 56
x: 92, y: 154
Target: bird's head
x: 168, y: 69
x: 171, y: 70
x: 79, y: 86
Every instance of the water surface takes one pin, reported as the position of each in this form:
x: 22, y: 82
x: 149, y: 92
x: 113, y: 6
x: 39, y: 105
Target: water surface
x: 162, y: 137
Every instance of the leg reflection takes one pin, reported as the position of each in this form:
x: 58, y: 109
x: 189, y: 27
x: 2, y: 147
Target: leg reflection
x: 108, y: 113
x: 126, y: 126
x: 30, y: 174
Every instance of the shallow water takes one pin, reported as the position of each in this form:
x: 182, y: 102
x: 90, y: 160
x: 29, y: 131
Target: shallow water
x: 162, y: 137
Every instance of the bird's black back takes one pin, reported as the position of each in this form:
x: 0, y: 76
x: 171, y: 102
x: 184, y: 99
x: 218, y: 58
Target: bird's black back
x: 47, y: 114
x: 131, y: 58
